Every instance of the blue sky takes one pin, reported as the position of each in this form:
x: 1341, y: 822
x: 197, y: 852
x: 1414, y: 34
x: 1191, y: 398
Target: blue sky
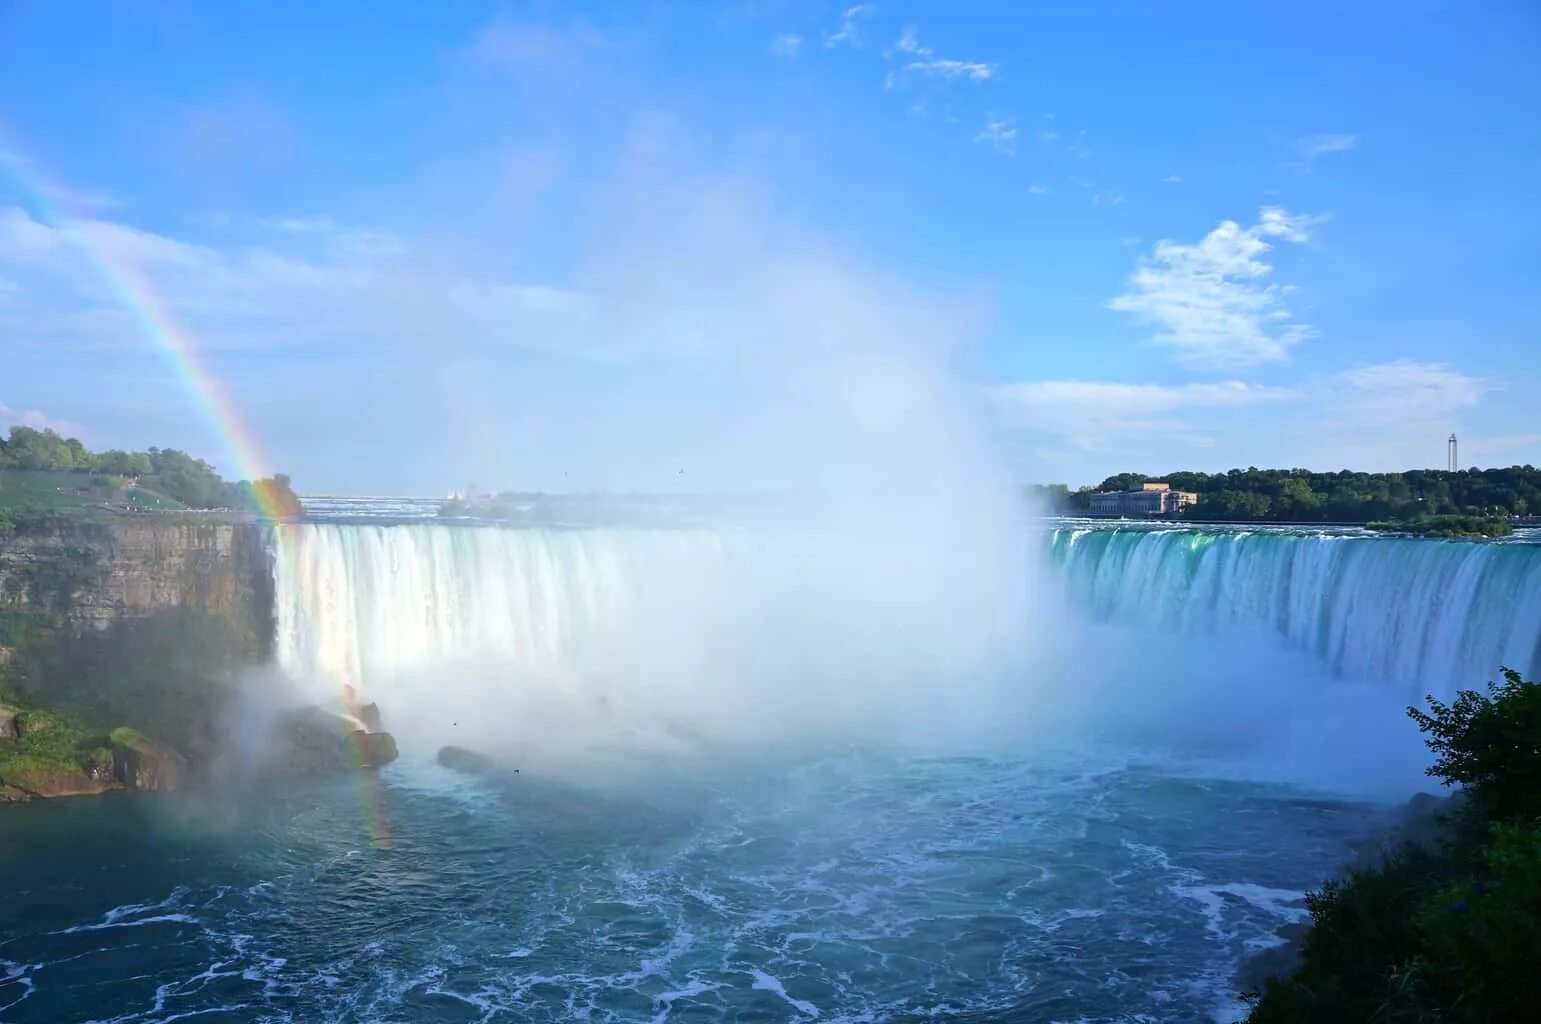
x: 612, y: 245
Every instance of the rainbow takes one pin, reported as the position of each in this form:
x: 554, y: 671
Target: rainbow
x: 134, y: 291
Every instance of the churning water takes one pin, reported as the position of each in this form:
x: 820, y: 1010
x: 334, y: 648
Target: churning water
x: 702, y: 831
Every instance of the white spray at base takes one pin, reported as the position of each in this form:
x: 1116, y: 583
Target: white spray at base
x: 1295, y: 653
x: 575, y: 639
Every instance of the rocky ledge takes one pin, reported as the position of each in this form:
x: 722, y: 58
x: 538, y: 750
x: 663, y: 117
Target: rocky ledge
x: 44, y: 754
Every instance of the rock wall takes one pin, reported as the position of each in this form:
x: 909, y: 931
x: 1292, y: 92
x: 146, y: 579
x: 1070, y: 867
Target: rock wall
x: 97, y: 575
x: 140, y: 622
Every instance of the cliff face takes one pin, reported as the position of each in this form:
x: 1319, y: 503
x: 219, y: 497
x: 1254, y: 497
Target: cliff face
x: 146, y: 623
x: 97, y: 575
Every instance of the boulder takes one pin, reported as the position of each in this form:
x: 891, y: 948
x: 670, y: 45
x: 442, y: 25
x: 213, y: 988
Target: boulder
x: 473, y: 762
x: 142, y: 763
x: 312, y: 741
x: 10, y: 726
x: 56, y: 781
x: 372, y: 749
x: 369, y: 714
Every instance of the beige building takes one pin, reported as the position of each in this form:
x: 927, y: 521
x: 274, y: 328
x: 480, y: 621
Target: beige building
x: 1151, y: 500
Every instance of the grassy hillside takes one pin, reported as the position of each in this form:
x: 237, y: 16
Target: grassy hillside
x: 59, y: 491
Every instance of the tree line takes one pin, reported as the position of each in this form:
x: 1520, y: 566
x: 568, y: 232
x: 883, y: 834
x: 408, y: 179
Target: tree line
x: 1303, y: 496
x: 181, y: 477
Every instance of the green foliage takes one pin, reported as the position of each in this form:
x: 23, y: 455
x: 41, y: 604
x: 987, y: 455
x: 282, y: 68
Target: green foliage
x: 1450, y: 934
x: 1057, y: 498
x: 53, y: 742
x: 1299, y: 495
x: 170, y: 675
x: 1490, y: 745
x: 38, y: 468
x: 1445, y: 526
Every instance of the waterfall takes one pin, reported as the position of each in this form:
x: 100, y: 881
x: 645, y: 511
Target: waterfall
x: 741, y: 628
x: 356, y: 601
x: 1436, y: 615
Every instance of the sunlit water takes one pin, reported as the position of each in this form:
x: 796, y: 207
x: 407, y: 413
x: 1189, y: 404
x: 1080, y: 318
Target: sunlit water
x: 716, y: 883
x: 847, y: 888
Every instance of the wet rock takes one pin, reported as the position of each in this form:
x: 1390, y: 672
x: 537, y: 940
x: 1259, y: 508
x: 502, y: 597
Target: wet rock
x: 369, y: 714
x: 473, y: 762
x: 38, y: 781
x: 311, y: 741
x: 372, y: 749
x: 1280, y: 961
x: 142, y: 763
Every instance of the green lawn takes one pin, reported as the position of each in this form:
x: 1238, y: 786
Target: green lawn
x: 60, y: 491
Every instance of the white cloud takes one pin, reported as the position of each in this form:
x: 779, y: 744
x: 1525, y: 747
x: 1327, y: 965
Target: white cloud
x: 555, y: 57
x: 1109, y: 199
x: 67, y: 197
x: 849, y: 32
x: 316, y: 283
x: 787, y: 44
x: 36, y: 420
x: 1048, y: 137
x: 1172, y: 179
x: 1207, y: 300
x: 1320, y: 145
x: 1038, y: 190
x: 238, y: 130
x: 1403, y: 390
x: 1000, y: 133
x: 1095, y: 415
x: 1383, y: 416
x: 922, y: 60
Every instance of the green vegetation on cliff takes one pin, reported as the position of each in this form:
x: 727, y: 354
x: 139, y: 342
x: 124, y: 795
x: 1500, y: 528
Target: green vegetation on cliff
x: 1302, y: 496
x: 1450, y: 933
x: 45, y: 753
x: 40, y: 470
x: 1444, y: 526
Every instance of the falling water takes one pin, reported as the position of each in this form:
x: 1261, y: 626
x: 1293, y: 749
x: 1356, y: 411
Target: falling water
x: 1434, y: 614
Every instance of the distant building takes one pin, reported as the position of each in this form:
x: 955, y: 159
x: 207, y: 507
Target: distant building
x: 1150, y: 501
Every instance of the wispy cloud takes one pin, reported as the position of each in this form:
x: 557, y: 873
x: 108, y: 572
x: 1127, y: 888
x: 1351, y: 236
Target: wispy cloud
x: 67, y: 197
x: 999, y: 133
x: 35, y: 419
x: 1172, y: 179
x: 238, y: 130
x: 1048, y: 137
x: 787, y: 44
x: 1385, y: 415
x: 1038, y: 190
x: 851, y: 20
x: 554, y: 56
x: 923, y: 60
x: 1315, y: 146
x: 1093, y: 415
x: 1207, y: 299
x: 1404, y: 390
x: 314, y: 283
x: 1109, y: 198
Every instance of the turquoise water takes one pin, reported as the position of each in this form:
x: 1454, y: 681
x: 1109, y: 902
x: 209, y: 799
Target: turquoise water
x: 746, y: 829
x: 851, y: 887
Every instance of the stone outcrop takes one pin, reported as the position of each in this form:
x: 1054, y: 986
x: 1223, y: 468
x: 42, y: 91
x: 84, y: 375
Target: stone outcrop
x: 140, y: 566
x: 311, y: 741
x: 43, y: 781
x: 10, y: 724
x: 139, y: 762
x: 472, y: 762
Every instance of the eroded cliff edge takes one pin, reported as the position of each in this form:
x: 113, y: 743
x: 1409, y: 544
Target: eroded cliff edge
x: 138, y: 623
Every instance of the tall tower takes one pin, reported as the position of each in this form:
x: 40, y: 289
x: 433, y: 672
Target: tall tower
x: 1454, y: 462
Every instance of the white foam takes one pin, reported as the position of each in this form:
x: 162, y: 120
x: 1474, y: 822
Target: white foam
x: 770, y: 983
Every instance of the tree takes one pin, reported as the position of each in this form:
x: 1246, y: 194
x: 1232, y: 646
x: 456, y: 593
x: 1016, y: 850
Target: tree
x: 1491, y: 745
